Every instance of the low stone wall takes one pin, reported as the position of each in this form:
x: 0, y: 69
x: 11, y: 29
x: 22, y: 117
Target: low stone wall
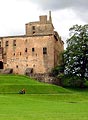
x: 7, y: 71
x: 45, y: 78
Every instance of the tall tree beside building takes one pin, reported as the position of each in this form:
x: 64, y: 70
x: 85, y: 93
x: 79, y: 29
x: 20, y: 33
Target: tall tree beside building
x: 76, y: 54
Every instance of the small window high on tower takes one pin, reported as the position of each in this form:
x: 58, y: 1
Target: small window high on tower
x: 44, y: 50
x: 14, y: 42
x: 33, y: 27
x: 7, y: 43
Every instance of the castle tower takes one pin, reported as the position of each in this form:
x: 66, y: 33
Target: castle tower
x: 41, y: 27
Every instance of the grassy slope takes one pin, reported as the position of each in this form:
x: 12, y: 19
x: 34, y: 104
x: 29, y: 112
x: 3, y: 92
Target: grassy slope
x: 67, y: 106
x: 14, y: 83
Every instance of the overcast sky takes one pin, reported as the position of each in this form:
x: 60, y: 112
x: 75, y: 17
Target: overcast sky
x: 65, y: 13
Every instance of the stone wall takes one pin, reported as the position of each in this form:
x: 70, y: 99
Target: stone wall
x: 28, y: 53
x: 39, y: 48
x: 45, y: 78
x: 42, y: 27
x: 39, y: 29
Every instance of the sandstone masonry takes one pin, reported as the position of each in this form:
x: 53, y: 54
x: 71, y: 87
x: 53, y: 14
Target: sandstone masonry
x: 37, y: 51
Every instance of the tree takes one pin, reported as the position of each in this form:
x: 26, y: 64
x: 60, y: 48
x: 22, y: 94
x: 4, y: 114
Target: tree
x: 76, y: 54
x: 57, y: 70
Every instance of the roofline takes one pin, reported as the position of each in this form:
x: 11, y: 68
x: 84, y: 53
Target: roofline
x: 26, y: 36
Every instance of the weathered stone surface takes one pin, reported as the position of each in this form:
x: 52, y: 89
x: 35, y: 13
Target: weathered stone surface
x: 28, y: 71
x: 45, y: 78
x: 8, y: 71
x: 27, y: 51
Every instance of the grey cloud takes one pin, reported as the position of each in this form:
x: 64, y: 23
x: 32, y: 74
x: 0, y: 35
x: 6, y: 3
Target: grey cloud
x: 60, y: 4
x: 79, y: 6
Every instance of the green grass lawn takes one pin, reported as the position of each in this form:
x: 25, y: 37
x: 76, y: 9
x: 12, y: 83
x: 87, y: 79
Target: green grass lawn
x: 63, y: 104
x: 14, y: 83
x: 43, y: 107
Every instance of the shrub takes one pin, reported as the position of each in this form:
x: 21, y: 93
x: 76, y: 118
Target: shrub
x: 72, y: 81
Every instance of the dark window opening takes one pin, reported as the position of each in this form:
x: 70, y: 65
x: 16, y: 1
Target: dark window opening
x: 7, y: 43
x: 16, y: 66
x: 44, y: 50
x: 31, y: 70
x: 33, y: 65
x: 33, y: 49
x: 14, y: 43
x: 20, y: 53
x: 33, y: 32
x: 26, y: 50
x: 33, y: 27
x: 1, y: 65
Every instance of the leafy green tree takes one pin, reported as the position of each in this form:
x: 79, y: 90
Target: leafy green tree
x: 57, y: 70
x: 76, y: 54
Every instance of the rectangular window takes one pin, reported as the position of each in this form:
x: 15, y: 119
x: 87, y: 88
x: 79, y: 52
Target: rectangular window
x: 33, y: 32
x: 26, y: 50
x: 7, y: 43
x: 16, y: 66
x: 44, y: 50
x: 14, y: 42
x: 20, y: 53
x: 33, y: 27
x: 33, y: 49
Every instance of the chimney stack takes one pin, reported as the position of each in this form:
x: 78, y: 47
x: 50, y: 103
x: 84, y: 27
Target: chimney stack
x: 50, y: 18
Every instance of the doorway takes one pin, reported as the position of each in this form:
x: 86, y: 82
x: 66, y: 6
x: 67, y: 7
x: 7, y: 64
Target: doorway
x: 1, y: 65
